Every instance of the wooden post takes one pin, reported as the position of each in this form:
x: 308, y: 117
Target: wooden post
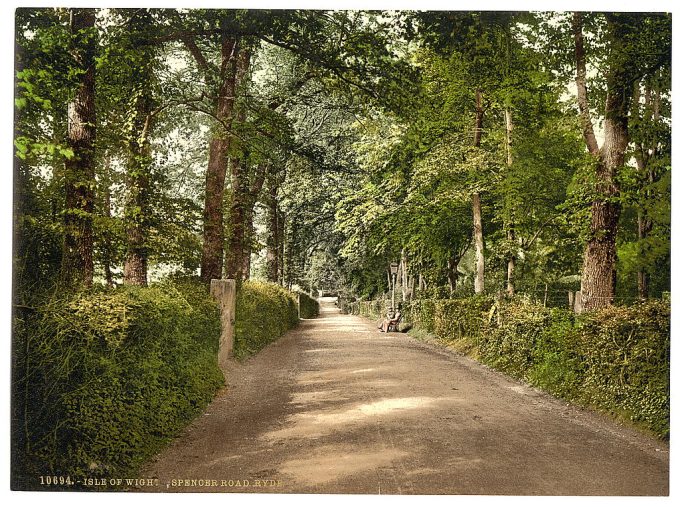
x: 225, y: 293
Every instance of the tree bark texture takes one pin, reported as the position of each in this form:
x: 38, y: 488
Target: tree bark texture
x: 212, y: 257
x: 479, y: 242
x: 237, y: 219
x: 242, y: 192
x: 107, y: 246
x: 452, y: 274
x: 77, y: 260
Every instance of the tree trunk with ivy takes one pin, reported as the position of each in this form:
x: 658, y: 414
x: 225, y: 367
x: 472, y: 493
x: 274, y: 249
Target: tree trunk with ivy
x: 79, y: 175
x: 510, y: 225
x: 273, y: 233
x: 140, y: 159
x: 246, y: 182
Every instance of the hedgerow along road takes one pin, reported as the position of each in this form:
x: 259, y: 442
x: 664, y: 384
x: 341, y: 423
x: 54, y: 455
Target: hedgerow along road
x: 335, y: 406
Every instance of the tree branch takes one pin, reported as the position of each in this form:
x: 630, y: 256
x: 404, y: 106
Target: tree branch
x: 581, y: 89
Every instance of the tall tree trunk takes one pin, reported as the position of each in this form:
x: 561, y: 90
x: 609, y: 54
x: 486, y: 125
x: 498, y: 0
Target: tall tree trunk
x: 643, y: 155
x: 643, y: 279
x: 77, y: 260
x: 237, y: 219
x: 252, y: 195
x: 479, y: 242
x: 509, y: 126
x: 477, y: 202
x: 107, y: 246
x: 240, y: 200
x: 598, y: 279
x: 138, y: 178
x: 273, y: 233
x: 452, y: 273
x: 282, y: 250
x: 212, y: 257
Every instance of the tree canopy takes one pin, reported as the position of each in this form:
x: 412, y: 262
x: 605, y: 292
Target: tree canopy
x: 498, y: 152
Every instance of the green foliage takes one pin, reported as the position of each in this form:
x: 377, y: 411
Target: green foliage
x: 309, y: 307
x: 102, y: 379
x: 616, y: 359
x: 422, y: 313
x: 264, y: 311
x: 626, y: 362
x: 461, y: 318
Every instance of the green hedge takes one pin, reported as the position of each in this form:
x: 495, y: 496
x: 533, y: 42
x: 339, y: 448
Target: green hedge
x: 626, y: 362
x: 309, y: 307
x: 616, y: 360
x: 264, y: 311
x: 103, y: 379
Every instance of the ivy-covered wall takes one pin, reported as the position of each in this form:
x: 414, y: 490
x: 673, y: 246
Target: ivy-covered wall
x: 309, y: 307
x: 264, y: 311
x: 103, y: 379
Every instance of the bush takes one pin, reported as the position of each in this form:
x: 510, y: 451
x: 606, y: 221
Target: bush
x: 102, y: 379
x: 422, y: 313
x: 309, y: 307
x: 510, y: 343
x: 626, y: 362
x: 461, y: 318
x: 556, y: 365
x: 264, y: 311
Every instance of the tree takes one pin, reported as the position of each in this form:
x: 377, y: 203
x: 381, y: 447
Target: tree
x: 644, y: 239
x: 79, y: 174
x: 623, y: 65
x: 477, y: 38
x: 138, y: 142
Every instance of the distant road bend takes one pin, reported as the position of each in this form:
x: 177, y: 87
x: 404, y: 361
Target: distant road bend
x: 335, y: 406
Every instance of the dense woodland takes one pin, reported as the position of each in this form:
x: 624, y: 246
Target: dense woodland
x: 486, y: 152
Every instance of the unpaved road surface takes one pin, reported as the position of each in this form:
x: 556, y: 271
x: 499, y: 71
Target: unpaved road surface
x: 335, y: 406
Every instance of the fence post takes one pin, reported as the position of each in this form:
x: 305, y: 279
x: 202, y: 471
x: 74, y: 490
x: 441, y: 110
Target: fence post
x: 578, y: 302
x: 225, y: 293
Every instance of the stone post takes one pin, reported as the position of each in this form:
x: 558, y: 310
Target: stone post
x: 225, y: 293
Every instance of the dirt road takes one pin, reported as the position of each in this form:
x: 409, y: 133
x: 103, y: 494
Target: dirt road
x: 338, y: 407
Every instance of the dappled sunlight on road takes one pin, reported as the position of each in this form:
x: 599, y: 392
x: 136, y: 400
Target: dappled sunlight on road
x: 337, y: 407
x: 320, y: 422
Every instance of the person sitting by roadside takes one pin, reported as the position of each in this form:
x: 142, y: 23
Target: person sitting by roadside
x: 385, y: 325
